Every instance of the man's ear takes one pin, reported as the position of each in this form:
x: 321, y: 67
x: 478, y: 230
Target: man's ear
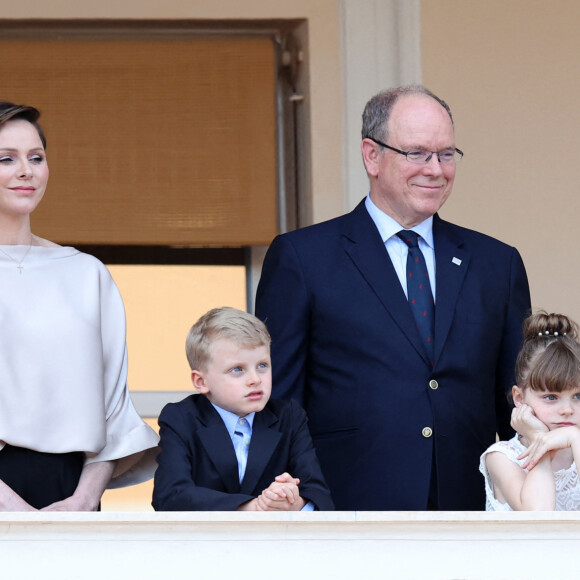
x: 517, y: 395
x: 371, y: 156
x: 198, y: 381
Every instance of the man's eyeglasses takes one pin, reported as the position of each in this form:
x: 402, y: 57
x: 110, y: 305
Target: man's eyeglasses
x: 446, y: 157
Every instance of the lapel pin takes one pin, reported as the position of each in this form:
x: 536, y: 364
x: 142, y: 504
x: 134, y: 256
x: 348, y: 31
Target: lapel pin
x: 456, y: 261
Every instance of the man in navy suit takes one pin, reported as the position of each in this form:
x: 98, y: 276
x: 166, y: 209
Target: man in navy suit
x: 230, y: 447
x: 400, y: 408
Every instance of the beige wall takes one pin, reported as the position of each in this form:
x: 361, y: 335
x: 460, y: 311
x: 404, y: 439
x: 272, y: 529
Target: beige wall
x: 161, y: 303
x: 511, y: 74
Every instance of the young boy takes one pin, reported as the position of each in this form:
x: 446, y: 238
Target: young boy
x: 230, y: 448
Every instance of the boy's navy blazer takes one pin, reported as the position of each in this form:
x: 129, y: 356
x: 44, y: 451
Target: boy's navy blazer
x: 346, y: 346
x: 198, y: 469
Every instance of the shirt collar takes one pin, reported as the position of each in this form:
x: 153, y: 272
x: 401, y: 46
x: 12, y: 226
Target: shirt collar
x: 231, y: 419
x: 388, y: 226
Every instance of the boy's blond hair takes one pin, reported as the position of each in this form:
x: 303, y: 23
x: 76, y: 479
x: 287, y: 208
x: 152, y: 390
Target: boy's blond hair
x: 242, y: 328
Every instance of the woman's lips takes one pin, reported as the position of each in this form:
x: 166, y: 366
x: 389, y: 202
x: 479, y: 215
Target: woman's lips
x: 24, y: 189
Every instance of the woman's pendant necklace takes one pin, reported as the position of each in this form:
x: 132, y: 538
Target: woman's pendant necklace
x: 19, y: 265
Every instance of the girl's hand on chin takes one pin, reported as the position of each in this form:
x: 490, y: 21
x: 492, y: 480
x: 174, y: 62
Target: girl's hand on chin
x: 525, y: 422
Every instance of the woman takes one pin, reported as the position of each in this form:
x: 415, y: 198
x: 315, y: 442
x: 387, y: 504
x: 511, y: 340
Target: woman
x: 68, y: 428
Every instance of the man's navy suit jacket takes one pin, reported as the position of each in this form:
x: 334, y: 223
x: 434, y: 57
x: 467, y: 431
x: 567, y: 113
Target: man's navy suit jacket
x: 345, y: 344
x: 198, y: 469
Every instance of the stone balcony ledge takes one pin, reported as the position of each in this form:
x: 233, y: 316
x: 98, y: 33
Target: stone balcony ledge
x: 349, y: 545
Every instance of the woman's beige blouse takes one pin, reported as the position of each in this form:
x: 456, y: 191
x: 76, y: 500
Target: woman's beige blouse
x: 63, y: 362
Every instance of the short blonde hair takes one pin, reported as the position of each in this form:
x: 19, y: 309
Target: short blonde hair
x: 226, y: 322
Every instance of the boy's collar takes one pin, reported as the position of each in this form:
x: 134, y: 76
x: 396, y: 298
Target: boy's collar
x: 231, y: 419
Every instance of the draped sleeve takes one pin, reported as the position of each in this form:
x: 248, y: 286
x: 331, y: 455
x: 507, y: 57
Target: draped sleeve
x: 129, y: 440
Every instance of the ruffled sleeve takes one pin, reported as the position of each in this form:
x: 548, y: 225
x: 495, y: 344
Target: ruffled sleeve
x: 512, y: 449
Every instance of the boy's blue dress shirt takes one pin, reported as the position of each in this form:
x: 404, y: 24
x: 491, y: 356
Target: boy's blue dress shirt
x: 231, y: 421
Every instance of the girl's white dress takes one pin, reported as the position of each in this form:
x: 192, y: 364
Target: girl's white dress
x: 567, y: 484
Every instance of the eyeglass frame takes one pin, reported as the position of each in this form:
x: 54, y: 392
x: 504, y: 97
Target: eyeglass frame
x: 406, y: 153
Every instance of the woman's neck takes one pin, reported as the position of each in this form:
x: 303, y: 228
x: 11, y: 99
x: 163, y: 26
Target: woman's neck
x: 14, y: 231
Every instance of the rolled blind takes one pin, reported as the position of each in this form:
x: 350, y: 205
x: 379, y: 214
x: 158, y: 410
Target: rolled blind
x: 152, y: 140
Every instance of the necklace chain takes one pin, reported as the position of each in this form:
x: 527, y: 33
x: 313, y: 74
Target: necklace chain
x: 19, y: 265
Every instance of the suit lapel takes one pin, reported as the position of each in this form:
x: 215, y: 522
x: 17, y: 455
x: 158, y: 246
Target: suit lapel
x: 265, y: 439
x: 363, y: 244
x: 217, y: 442
x: 451, y: 263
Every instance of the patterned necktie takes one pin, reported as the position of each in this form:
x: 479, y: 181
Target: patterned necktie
x: 419, y: 289
x: 242, y: 437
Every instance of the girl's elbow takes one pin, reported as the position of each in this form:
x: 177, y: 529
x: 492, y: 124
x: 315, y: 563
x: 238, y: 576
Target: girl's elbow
x: 536, y: 505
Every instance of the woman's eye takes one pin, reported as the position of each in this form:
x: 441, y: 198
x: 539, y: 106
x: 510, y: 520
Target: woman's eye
x: 5, y: 159
x: 36, y: 159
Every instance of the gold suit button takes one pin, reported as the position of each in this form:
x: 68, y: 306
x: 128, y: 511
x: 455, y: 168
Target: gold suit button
x: 427, y: 432
x: 433, y: 384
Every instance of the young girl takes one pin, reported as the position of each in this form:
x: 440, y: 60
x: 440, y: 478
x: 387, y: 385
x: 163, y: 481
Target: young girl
x: 536, y: 470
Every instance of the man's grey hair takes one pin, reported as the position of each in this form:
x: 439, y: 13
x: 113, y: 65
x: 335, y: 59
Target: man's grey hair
x: 378, y: 109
